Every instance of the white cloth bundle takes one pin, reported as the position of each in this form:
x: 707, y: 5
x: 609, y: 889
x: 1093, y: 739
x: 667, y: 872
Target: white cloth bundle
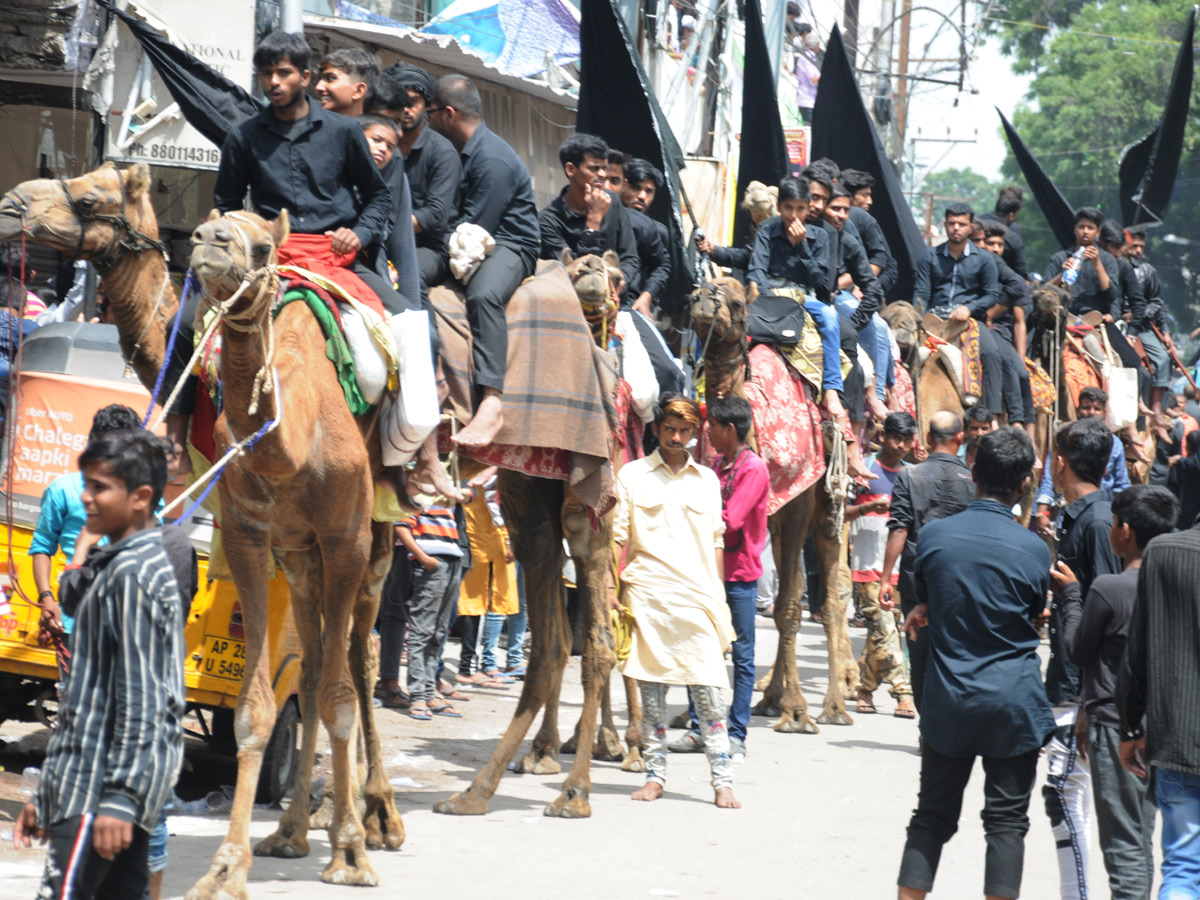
x: 469, y: 246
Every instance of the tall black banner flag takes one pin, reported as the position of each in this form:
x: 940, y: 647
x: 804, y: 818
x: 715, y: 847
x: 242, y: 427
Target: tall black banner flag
x: 1053, y: 204
x: 617, y: 103
x: 210, y: 102
x: 1149, y: 167
x: 839, y: 131
x: 763, y: 153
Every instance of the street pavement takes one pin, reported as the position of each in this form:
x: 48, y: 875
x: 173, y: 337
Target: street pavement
x: 822, y: 816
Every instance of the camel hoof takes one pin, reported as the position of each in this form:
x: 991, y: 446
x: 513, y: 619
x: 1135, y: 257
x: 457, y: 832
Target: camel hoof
x: 384, y: 828
x: 464, y: 803
x: 569, y: 746
x: 608, y: 751
x: 835, y: 717
x: 323, y: 817
x: 350, y: 867
x: 283, y: 844
x: 572, y: 803
x: 766, y: 709
x: 762, y: 684
x: 226, y: 879
x: 633, y: 762
x: 794, y: 725
x: 537, y: 762
x: 681, y: 721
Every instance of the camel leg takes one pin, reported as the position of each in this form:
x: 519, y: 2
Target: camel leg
x: 608, y: 743
x: 571, y: 745
x: 783, y: 696
x: 246, y: 548
x: 843, y: 671
x: 634, y: 760
x: 346, y: 559
x: 542, y: 758
x: 303, y: 570
x: 381, y: 820
x: 533, y: 510
x: 591, y: 549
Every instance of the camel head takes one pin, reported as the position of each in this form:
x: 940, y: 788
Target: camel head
x: 905, y: 322
x: 599, y: 284
x: 99, y: 216
x: 228, y: 249
x: 720, y: 307
x: 1049, y: 301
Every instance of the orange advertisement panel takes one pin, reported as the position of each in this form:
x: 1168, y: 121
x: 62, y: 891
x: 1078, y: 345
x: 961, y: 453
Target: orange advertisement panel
x: 54, y: 415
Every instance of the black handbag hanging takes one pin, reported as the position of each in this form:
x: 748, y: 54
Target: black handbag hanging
x: 775, y: 320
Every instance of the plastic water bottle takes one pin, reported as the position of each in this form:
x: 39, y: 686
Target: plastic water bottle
x: 30, y: 778
x: 1071, y: 275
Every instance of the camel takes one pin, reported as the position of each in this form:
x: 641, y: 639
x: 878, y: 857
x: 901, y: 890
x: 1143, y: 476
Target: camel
x: 933, y: 384
x: 105, y: 216
x: 719, y: 314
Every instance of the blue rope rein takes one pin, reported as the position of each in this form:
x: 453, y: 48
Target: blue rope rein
x: 162, y: 371
x: 254, y: 439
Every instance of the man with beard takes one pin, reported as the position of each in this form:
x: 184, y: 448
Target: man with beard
x: 640, y: 183
x: 433, y: 169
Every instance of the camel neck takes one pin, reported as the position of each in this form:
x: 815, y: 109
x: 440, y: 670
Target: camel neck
x: 134, y: 287
x: 724, y: 367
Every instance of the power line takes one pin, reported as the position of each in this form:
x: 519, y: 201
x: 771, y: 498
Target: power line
x: 1096, y: 34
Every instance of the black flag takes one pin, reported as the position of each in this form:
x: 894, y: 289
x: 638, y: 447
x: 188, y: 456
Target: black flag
x: 1149, y: 167
x: 1051, y: 202
x: 840, y: 126
x: 617, y: 104
x: 763, y: 156
x: 210, y: 102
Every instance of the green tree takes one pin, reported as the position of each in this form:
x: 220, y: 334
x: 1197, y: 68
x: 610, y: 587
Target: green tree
x: 1101, y: 78
x: 965, y: 185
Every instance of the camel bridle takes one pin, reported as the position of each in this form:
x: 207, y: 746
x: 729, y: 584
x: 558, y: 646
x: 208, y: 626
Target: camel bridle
x: 128, y: 239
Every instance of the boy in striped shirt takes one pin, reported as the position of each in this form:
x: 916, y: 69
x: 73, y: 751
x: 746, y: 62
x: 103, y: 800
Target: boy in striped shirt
x: 114, y: 757
x: 432, y: 540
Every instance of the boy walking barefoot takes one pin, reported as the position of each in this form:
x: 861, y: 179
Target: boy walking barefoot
x: 113, y: 759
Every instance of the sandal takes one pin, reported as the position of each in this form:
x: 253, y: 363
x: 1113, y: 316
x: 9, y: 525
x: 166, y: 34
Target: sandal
x: 446, y: 710
x: 497, y: 676
x: 453, y: 694
x: 393, y: 699
x: 420, y: 713
x: 518, y: 672
x: 905, y: 709
x: 865, y: 703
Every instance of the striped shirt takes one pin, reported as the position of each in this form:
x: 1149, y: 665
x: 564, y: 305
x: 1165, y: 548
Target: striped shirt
x: 118, y: 745
x: 435, y: 532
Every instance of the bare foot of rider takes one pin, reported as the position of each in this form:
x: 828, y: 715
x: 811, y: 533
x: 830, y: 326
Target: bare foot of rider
x: 650, y: 791
x: 485, y: 424
x: 429, y: 476
x: 726, y: 800
x: 876, y: 407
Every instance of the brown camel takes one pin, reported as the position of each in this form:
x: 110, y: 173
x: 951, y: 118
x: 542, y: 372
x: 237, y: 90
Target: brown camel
x: 105, y: 216
x: 719, y: 312
x: 308, y: 501
x: 933, y: 384
x: 539, y: 513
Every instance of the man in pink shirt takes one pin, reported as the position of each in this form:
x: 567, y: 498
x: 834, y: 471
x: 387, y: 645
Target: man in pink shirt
x: 744, y: 488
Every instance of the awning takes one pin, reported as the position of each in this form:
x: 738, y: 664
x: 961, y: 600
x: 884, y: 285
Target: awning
x: 440, y: 50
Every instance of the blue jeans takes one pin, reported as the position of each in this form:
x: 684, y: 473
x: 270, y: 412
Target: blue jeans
x: 873, y: 338
x: 493, y: 625
x: 742, y: 597
x: 825, y: 316
x: 1178, y: 796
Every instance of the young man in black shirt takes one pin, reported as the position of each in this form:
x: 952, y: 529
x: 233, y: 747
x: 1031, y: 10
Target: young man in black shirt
x: 1007, y: 321
x: 433, y: 169
x: 1008, y: 207
x: 1096, y: 287
x: 1081, y: 452
x: 497, y: 195
x: 858, y: 184
x: 586, y: 217
x: 314, y: 163
x: 1094, y: 633
x: 1155, y: 314
x: 957, y: 281
x: 650, y: 234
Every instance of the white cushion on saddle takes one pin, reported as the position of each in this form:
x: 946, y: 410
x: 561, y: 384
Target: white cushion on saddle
x: 868, y: 367
x: 636, y: 367
x: 370, y: 365
x: 410, y: 417
x: 1122, y: 387
x: 469, y: 246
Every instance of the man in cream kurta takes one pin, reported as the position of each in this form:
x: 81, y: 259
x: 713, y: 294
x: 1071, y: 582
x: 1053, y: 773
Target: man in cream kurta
x: 669, y: 520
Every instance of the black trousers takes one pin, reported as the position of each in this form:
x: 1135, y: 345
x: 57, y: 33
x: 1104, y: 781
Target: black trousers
x: 1007, y: 786
x: 1018, y: 396
x: 74, y: 869
x: 993, y: 371
x: 854, y: 391
x: 488, y: 292
x: 468, y: 628
x: 433, y: 267
x: 393, y: 301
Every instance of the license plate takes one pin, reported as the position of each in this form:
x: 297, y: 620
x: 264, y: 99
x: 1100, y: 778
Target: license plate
x: 223, y: 658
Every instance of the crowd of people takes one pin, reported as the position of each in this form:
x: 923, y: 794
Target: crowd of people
x: 394, y: 179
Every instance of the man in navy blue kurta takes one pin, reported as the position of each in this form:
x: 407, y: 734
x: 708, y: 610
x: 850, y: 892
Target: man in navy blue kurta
x: 983, y: 690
